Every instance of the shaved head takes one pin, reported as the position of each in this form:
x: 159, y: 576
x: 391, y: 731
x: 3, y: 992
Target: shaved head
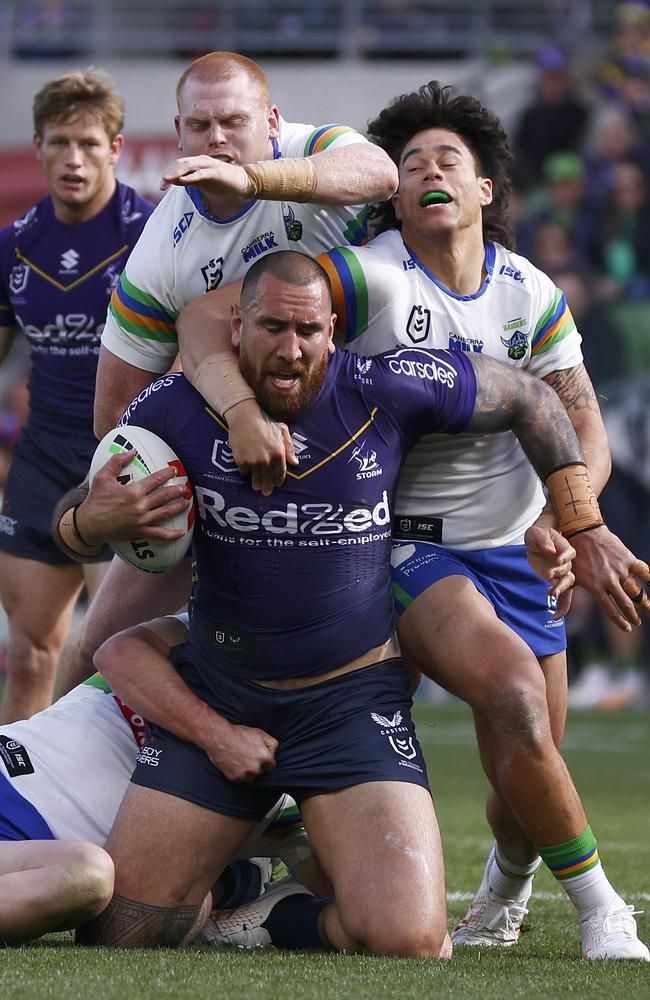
x: 290, y: 266
x: 217, y: 66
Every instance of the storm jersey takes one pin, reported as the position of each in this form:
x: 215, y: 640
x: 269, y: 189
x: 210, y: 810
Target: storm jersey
x: 184, y: 251
x: 55, y: 283
x: 299, y: 583
x: 473, y: 491
x: 72, y: 762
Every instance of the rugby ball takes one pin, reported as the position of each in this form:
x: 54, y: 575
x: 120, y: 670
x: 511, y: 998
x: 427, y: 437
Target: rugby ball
x: 152, y: 555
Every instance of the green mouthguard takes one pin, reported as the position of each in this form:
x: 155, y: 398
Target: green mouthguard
x: 435, y: 198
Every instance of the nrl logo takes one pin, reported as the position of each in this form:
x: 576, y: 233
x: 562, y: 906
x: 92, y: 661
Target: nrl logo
x: 18, y: 278
x: 419, y: 324
x: 213, y: 273
x: 222, y: 457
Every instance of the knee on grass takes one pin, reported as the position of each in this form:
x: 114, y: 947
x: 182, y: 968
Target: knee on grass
x: 394, y: 937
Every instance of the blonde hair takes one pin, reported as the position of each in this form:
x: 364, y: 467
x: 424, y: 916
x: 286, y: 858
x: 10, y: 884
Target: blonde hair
x: 73, y: 94
x: 215, y: 66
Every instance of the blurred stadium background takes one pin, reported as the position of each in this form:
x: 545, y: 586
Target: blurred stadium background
x: 570, y: 81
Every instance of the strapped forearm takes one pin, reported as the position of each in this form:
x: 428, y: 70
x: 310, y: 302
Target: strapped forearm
x: 282, y: 180
x: 218, y: 378
x: 64, y: 530
x: 574, y: 499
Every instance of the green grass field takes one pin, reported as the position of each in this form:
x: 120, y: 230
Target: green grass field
x: 609, y: 757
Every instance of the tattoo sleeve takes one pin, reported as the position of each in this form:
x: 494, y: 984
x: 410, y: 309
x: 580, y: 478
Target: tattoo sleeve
x: 574, y: 388
x: 509, y: 399
x: 126, y: 923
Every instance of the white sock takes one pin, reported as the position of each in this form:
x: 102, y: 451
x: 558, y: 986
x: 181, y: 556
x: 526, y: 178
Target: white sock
x: 590, y: 891
x: 516, y: 881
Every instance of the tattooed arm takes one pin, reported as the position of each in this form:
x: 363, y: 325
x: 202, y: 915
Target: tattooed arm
x: 577, y: 394
x: 508, y: 399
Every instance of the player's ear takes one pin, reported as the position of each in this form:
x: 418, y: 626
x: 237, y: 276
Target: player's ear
x: 274, y: 121
x: 177, y: 126
x: 331, y: 345
x: 396, y: 206
x: 117, y: 145
x: 485, y: 187
x: 235, y: 326
x: 38, y: 146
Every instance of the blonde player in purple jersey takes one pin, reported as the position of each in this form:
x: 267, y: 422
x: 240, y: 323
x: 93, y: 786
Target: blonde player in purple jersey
x: 58, y: 267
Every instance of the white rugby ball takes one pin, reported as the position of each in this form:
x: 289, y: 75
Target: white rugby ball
x: 152, y: 555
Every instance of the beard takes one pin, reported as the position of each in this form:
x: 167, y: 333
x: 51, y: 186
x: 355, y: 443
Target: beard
x: 280, y: 405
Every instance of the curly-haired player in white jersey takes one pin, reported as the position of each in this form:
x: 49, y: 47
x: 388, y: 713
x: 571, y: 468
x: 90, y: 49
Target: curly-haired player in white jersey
x: 474, y: 616
x: 247, y: 182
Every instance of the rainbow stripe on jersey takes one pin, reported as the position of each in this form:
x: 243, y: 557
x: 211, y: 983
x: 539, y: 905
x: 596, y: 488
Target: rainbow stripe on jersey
x: 554, y: 325
x: 141, y: 314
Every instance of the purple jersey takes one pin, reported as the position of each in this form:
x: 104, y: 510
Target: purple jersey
x: 299, y: 582
x: 55, y: 283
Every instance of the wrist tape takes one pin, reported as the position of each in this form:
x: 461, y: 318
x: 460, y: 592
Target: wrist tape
x: 574, y: 499
x: 278, y: 180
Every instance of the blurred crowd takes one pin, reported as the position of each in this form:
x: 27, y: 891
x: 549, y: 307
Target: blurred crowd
x: 582, y: 210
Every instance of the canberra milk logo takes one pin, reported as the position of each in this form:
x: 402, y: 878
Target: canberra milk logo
x: 68, y: 262
x: 366, y: 458
x: 417, y: 363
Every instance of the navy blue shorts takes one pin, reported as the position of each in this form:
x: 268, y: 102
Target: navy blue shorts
x: 347, y: 731
x: 45, y: 465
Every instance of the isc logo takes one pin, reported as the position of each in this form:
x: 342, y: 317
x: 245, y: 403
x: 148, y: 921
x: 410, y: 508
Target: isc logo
x: 182, y: 226
x: 511, y: 272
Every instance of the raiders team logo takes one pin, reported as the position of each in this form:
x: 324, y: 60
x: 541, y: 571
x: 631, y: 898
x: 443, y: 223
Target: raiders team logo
x: 292, y: 226
x: 419, y: 324
x: 517, y: 345
x: 213, y: 273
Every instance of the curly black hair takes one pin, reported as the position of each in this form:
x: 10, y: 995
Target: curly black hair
x: 435, y: 106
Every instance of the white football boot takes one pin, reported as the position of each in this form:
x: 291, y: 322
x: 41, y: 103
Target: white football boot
x: 491, y: 921
x: 611, y: 933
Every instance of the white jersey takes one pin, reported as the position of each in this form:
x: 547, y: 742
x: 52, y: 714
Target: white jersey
x: 481, y: 486
x: 73, y: 762
x: 183, y: 251
x: 80, y: 755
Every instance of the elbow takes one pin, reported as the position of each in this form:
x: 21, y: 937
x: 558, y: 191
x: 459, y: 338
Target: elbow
x: 389, y: 181
x: 112, y: 658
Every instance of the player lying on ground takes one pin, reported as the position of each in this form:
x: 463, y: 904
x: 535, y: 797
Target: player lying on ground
x: 63, y: 774
x: 316, y: 537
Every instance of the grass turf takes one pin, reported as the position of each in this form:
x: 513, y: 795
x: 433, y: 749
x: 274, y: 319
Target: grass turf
x: 608, y: 756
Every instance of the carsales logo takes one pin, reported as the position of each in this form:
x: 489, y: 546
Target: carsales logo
x: 422, y: 364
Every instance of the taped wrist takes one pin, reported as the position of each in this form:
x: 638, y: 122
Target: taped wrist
x: 70, y: 539
x: 64, y: 529
x: 574, y: 499
x: 220, y: 382
x: 275, y: 180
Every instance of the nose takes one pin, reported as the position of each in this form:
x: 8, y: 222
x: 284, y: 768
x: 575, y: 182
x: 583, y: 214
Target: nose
x: 73, y: 156
x: 432, y: 170
x: 288, y: 347
x: 216, y: 135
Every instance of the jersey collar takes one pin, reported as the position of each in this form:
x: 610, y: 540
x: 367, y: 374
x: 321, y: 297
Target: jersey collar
x: 490, y: 257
